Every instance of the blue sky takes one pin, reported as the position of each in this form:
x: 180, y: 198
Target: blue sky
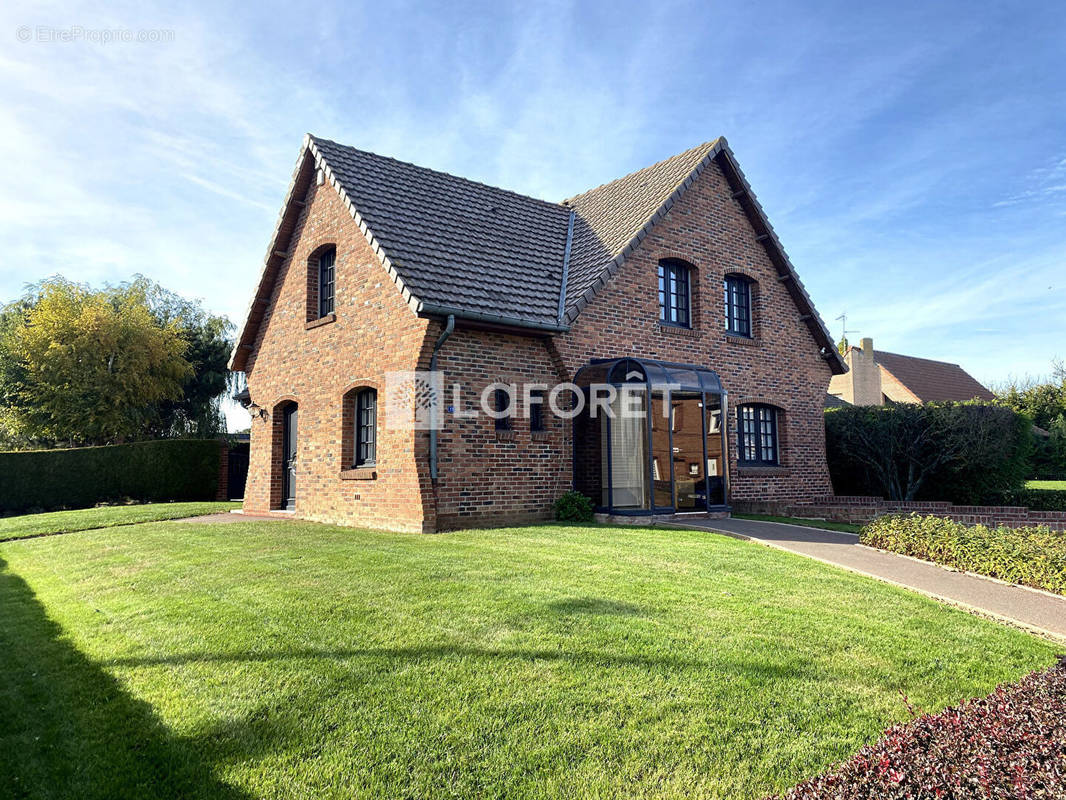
x: 912, y: 156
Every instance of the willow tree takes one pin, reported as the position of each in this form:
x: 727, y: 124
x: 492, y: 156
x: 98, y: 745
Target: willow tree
x: 86, y: 367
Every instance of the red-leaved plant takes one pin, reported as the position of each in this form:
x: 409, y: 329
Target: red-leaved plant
x: 1010, y: 744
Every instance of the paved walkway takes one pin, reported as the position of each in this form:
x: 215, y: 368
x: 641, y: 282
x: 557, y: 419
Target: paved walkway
x: 1029, y: 608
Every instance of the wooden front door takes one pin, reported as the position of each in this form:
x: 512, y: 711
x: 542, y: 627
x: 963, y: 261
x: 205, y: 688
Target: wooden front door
x: 288, y: 459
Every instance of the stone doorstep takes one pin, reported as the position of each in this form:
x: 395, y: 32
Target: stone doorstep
x: 650, y: 519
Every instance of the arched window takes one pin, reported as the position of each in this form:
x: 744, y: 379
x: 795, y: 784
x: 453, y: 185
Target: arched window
x: 365, y: 436
x: 327, y: 260
x: 757, y: 435
x: 675, y: 293
x: 738, y: 305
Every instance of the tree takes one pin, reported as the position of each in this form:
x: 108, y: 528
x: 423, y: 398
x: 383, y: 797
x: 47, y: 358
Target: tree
x: 85, y: 367
x: 198, y: 412
x: 1045, y: 403
x: 964, y: 452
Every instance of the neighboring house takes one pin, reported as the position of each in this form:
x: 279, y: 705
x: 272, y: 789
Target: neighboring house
x: 875, y: 378
x: 672, y: 274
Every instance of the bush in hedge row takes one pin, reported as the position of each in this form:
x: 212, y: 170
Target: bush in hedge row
x: 170, y: 469
x: 967, y: 453
x: 1011, y: 743
x: 1029, y: 556
x: 1037, y: 499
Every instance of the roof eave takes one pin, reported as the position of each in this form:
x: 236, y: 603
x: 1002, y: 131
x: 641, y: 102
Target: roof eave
x: 310, y: 160
x: 275, y: 256
x: 787, y: 274
x: 433, y: 310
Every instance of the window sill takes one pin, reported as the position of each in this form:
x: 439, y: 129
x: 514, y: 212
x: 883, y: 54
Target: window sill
x: 677, y: 330
x: 733, y: 338
x: 359, y: 474
x: 505, y: 436
x: 754, y: 470
x: 318, y: 323
x: 539, y: 436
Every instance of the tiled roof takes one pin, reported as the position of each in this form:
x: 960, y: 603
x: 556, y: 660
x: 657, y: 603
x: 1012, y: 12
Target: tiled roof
x: 457, y: 246
x: 456, y: 242
x: 933, y: 381
x: 611, y: 217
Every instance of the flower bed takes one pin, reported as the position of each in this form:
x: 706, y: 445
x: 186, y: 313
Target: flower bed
x: 1032, y: 556
x: 1010, y: 744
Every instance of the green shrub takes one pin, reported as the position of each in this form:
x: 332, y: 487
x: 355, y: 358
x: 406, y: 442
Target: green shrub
x: 965, y: 453
x: 1029, y: 556
x: 1039, y: 499
x: 171, y: 469
x: 573, y: 507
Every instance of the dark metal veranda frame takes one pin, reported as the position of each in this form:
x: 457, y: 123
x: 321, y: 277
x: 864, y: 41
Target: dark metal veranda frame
x: 654, y: 376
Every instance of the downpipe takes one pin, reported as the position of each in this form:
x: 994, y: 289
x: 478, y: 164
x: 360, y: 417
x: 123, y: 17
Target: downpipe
x: 445, y: 334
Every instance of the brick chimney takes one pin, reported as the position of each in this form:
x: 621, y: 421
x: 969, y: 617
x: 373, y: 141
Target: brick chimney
x: 865, y: 375
x: 861, y: 385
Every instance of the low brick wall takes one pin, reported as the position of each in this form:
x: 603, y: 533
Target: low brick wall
x: 859, y: 509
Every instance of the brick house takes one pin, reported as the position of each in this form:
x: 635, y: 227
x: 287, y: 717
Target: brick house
x: 875, y: 377
x: 671, y: 275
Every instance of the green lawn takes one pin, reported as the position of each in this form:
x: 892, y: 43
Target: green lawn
x: 103, y: 517
x: 1046, y: 485
x: 288, y: 659
x: 847, y: 527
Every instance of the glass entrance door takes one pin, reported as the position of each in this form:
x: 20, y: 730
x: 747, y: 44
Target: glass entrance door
x: 690, y: 486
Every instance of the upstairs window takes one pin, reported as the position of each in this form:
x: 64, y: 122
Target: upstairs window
x: 757, y: 435
x: 674, y: 294
x: 366, y: 428
x: 326, y: 262
x: 738, y: 305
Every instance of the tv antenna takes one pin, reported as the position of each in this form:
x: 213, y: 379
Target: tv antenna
x: 844, y: 331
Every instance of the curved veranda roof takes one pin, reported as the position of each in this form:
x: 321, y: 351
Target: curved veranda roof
x: 619, y: 371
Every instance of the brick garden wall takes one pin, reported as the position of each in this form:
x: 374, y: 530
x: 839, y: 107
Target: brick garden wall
x: 859, y: 509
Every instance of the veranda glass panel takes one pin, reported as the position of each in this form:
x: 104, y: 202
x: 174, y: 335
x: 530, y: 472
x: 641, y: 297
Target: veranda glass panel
x: 661, y: 457
x: 627, y: 454
x: 715, y: 451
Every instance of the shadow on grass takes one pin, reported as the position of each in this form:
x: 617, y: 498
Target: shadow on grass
x: 757, y: 670
x: 595, y: 605
x: 69, y: 729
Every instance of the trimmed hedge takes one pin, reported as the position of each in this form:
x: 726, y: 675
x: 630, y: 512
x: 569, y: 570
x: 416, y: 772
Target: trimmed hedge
x: 1039, y: 499
x: 1029, y: 556
x: 169, y: 469
x: 1011, y: 743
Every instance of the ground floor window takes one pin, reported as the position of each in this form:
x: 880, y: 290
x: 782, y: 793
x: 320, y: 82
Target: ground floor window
x: 757, y: 441
x: 366, y: 423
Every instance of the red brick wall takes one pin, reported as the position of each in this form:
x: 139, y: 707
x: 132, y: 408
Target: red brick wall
x: 490, y: 477
x: 781, y: 366
x: 315, y: 365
